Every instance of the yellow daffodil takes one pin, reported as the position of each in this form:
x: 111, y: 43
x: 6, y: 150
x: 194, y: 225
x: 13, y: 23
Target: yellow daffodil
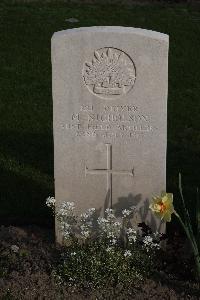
x: 162, y: 206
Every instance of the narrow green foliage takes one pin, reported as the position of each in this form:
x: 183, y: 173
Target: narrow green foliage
x: 198, y: 219
x: 187, y: 226
x: 187, y: 220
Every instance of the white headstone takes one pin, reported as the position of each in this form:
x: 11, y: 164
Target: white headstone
x: 110, y: 117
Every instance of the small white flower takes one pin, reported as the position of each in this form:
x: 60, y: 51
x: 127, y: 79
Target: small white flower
x: 65, y: 226
x: 131, y: 235
x: 148, y: 240
x: 109, y: 249
x: 66, y: 234
x: 66, y: 210
x: 85, y: 233
x: 69, y: 205
x: 91, y: 210
x: 110, y: 234
x: 127, y: 253
x: 149, y: 243
x: 73, y: 253
x: 113, y: 241
x: 132, y: 239
x: 110, y: 213
x: 101, y: 221
x: 84, y: 216
x: 66, y: 229
x: 157, y: 235
x: 131, y: 231
x: 109, y: 210
x: 88, y: 214
x: 126, y: 213
x: 117, y: 224
x: 156, y: 246
x: 14, y: 248
x: 50, y: 201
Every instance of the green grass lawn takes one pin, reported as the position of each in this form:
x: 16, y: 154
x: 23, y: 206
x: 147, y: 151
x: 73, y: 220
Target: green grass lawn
x: 26, y: 138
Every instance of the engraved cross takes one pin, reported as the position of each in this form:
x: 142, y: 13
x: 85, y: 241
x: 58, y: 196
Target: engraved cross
x: 108, y: 171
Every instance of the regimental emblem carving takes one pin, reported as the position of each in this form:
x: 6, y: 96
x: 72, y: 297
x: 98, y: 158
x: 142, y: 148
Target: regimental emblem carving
x: 110, y: 73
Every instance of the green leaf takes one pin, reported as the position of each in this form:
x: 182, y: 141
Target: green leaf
x: 198, y: 218
x: 187, y: 220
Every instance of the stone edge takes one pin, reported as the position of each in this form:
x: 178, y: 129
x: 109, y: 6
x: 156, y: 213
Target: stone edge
x: 115, y: 29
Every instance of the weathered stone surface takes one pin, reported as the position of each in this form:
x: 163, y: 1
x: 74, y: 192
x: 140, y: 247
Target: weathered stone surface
x: 110, y: 117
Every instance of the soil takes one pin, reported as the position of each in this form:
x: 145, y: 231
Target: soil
x: 26, y: 270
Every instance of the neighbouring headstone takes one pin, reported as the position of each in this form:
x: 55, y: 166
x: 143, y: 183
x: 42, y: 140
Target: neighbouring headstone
x: 110, y: 118
x: 72, y: 20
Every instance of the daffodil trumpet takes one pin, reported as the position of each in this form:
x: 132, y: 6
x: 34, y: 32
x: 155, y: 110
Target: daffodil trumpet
x: 162, y: 206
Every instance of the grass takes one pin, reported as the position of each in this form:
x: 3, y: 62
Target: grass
x: 26, y: 139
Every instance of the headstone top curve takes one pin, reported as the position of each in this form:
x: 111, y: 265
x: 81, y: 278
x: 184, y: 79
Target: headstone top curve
x: 115, y: 29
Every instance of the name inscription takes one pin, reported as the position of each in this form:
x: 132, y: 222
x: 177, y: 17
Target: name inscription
x: 113, y: 121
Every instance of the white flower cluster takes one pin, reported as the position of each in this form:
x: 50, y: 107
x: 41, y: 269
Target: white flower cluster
x: 66, y: 218
x: 50, y: 202
x: 66, y: 229
x: 85, y: 232
x: 126, y: 213
x: 86, y: 220
x: 66, y: 209
x: 88, y: 214
x: 156, y: 236
x: 127, y: 253
x: 14, y: 248
x: 149, y: 243
x: 109, y: 226
x: 110, y: 249
x: 131, y: 235
x: 110, y: 213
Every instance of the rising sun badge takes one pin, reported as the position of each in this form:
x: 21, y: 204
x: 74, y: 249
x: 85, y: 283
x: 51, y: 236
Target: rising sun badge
x: 110, y: 73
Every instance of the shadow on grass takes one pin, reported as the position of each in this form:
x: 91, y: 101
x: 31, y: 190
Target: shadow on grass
x: 26, y: 168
